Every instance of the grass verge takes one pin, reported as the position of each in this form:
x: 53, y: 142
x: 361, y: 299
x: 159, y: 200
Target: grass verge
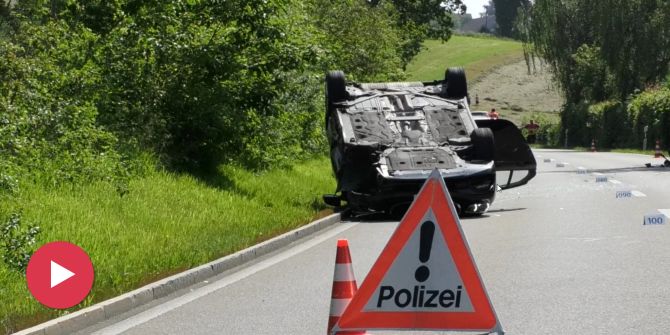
x: 165, y: 224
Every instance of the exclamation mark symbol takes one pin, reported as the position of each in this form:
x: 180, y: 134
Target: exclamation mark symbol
x: 425, y: 244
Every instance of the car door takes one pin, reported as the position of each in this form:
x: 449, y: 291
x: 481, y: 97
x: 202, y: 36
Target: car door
x: 514, y: 160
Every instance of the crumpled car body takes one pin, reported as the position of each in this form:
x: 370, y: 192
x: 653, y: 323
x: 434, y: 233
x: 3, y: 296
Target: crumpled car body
x: 386, y: 138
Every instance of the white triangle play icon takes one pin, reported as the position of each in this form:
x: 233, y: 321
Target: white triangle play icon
x: 59, y: 274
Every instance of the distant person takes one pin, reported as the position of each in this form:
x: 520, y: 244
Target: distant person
x: 531, y: 129
x: 493, y: 115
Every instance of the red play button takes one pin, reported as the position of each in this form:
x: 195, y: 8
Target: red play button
x: 60, y: 275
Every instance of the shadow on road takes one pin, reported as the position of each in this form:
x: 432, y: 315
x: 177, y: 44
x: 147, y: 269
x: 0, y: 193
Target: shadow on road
x: 492, y: 211
x: 613, y: 170
x: 384, y: 217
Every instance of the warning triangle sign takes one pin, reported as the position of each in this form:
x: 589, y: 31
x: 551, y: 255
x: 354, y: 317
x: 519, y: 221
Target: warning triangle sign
x: 425, y: 278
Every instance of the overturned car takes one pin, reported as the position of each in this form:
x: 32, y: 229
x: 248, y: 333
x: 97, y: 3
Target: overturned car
x: 386, y: 138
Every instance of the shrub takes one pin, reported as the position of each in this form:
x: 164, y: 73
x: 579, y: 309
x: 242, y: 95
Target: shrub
x: 547, y: 133
x: 575, y: 119
x: 611, y: 124
x: 651, y: 108
x: 16, y: 242
x: 48, y: 129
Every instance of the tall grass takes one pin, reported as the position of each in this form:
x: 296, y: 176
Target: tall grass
x: 164, y: 224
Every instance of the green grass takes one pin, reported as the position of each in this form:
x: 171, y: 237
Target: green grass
x: 165, y: 224
x: 168, y: 223
x: 477, y: 55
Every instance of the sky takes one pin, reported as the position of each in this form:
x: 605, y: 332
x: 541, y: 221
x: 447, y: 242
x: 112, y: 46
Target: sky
x: 475, y: 6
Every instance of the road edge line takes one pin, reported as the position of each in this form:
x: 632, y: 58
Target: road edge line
x: 110, y: 308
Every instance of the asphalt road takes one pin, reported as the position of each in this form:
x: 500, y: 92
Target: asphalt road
x: 561, y: 255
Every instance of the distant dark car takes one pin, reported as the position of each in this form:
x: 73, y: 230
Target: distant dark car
x: 386, y: 138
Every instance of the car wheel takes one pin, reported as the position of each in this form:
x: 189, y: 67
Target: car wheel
x: 457, y: 85
x: 336, y: 90
x: 483, y: 145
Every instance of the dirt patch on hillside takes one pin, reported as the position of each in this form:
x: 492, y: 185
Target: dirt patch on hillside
x: 513, y: 92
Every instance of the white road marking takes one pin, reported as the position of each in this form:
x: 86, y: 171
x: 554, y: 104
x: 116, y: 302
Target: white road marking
x: 639, y: 194
x: 614, y: 181
x: 597, y: 174
x: 170, y: 305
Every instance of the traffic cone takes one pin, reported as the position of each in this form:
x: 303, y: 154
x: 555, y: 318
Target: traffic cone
x: 344, y: 287
x: 657, y: 153
x: 593, y: 145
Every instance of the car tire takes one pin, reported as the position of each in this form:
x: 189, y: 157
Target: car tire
x: 456, y: 83
x: 336, y: 89
x: 483, y: 144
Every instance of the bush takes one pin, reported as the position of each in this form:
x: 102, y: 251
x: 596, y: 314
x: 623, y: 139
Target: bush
x: 611, y: 124
x: 48, y: 128
x: 547, y: 133
x: 651, y: 108
x: 88, y: 87
x: 575, y: 119
x: 16, y: 242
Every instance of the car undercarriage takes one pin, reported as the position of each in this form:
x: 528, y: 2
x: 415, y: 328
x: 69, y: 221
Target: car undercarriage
x: 386, y: 138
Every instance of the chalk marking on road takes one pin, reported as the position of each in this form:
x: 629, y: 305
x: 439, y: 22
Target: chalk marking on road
x: 586, y: 239
x: 198, y: 293
x: 623, y: 194
x: 614, y: 181
x: 655, y: 219
x: 665, y: 212
x: 601, y: 179
x: 638, y: 194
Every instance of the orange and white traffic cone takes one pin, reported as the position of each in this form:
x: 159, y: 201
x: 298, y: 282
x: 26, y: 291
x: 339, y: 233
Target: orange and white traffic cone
x: 344, y: 287
x: 593, y: 145
x: 657, y: 153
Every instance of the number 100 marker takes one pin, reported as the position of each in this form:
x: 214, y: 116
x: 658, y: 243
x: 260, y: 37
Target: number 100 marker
x: 654, y: 219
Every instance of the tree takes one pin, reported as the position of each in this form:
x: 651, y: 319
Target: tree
x: 489, y: 13
x: 601, y: 53
x: 506, y: 13
x: 489, y: 9
x: 627, y: 41
x: 420, y: 19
